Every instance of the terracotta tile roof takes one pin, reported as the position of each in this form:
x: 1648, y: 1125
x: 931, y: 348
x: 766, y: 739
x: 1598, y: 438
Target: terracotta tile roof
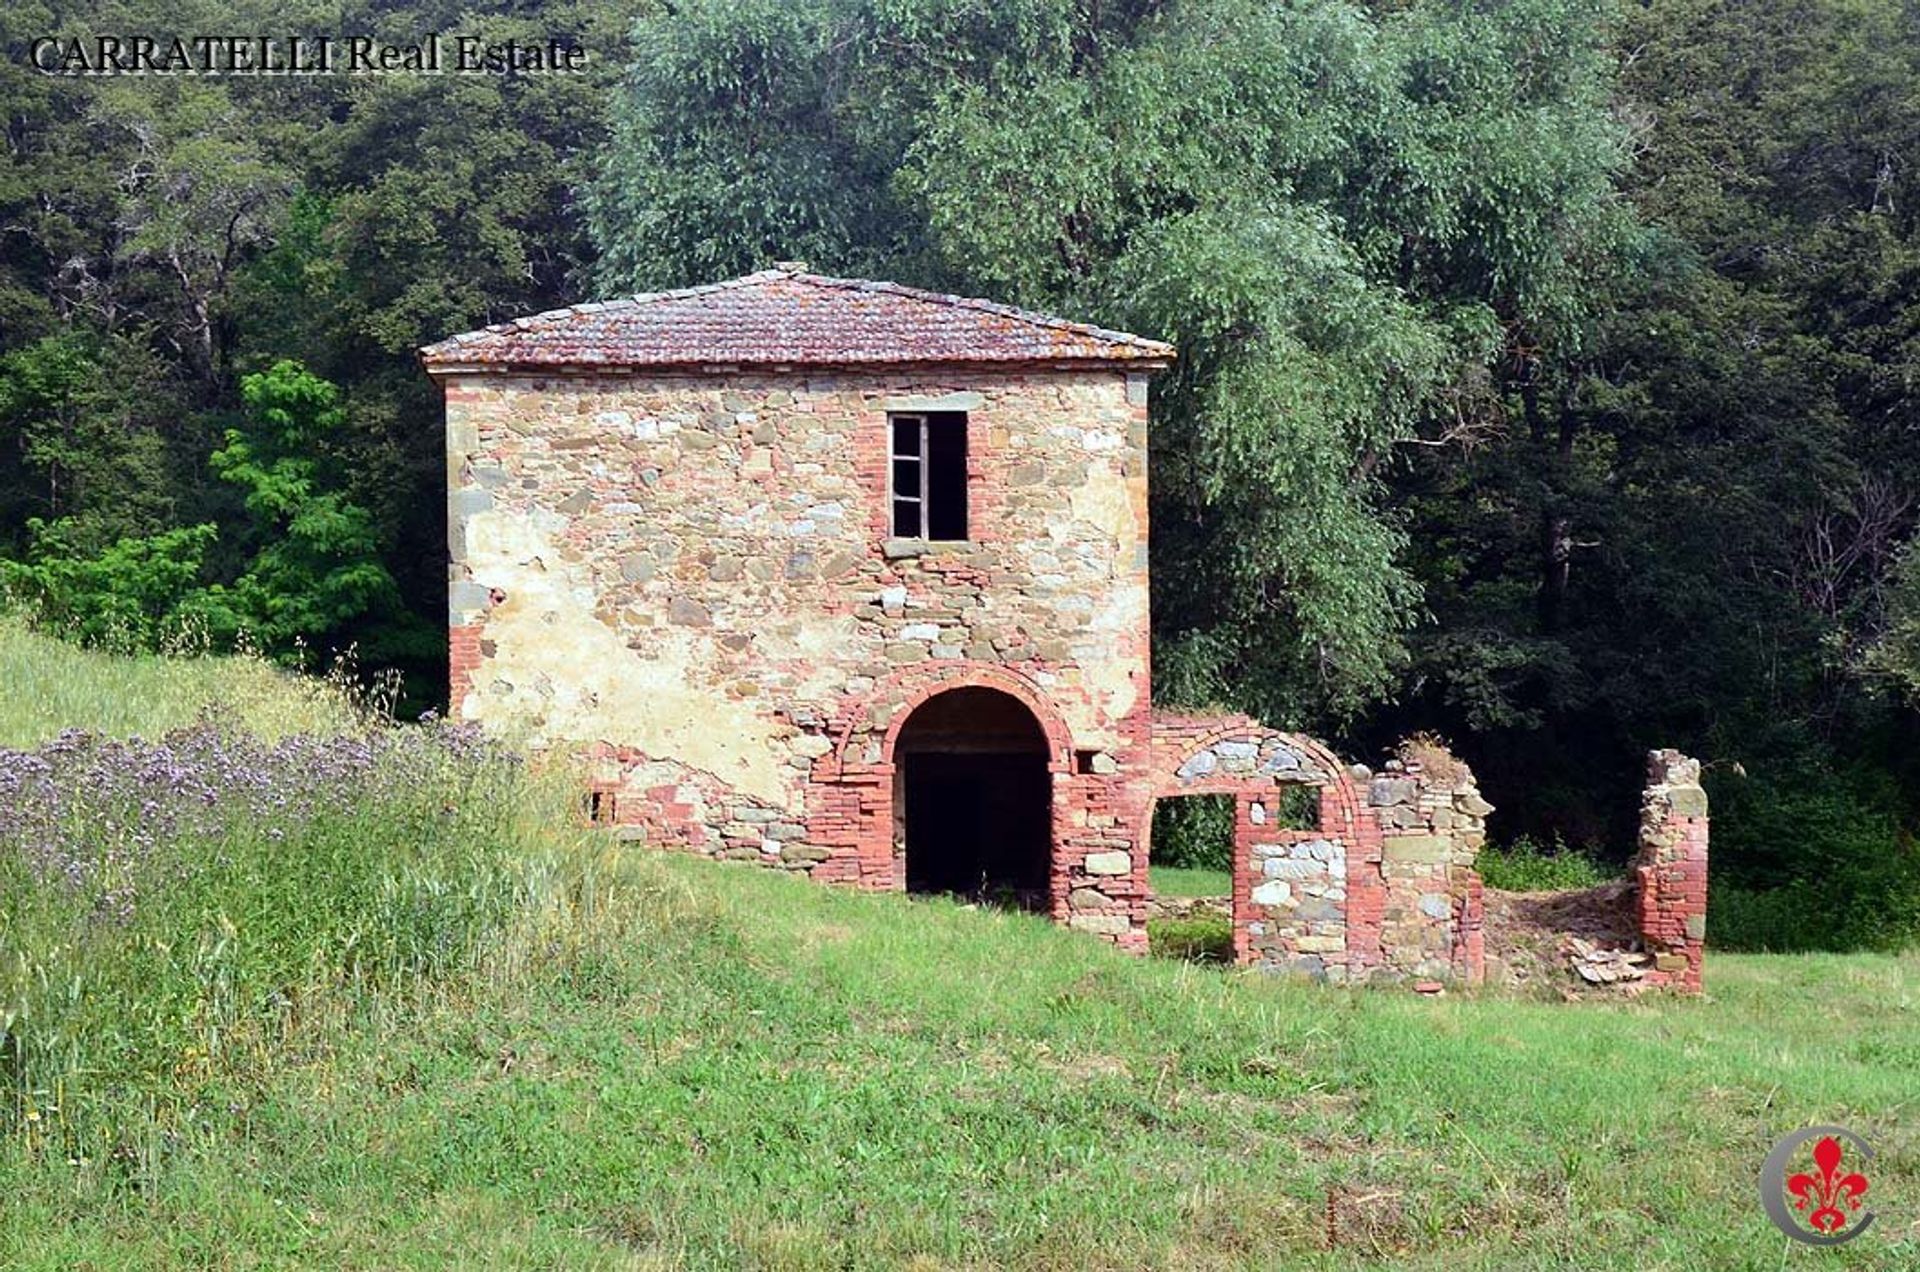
x: 788, y: 316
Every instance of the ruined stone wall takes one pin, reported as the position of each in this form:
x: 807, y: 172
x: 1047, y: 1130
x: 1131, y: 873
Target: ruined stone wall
x: 1381, y: 887
x: 692, y: 576
x: 1306, y: 900
x: 1432, y: 825
x: 1671, y: 870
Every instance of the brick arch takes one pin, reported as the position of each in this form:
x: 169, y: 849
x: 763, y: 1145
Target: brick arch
x: 905, y: 690
x: 1178, y: 739
x: 850, y: 796
x: 1345, y: 820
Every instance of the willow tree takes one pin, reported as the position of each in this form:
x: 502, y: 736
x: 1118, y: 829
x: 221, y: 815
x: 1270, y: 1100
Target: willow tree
x: 1353, y: 221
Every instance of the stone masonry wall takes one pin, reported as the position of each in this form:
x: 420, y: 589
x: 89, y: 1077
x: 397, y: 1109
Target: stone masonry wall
x: 1671, y: 870
x: 1381, y: 887
x: 1432, y: 825
x: 690, y: 578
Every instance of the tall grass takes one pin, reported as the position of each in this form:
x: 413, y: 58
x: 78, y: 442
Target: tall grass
x: 214, y: 872
x: 378, y: 1005
x: 1527, y: 866
x: 48, y: 686
x: 173, y: 915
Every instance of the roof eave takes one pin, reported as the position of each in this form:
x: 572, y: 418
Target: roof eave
x: 1129, y: 362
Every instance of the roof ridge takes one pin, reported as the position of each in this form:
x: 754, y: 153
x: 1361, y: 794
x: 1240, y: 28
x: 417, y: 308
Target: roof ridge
x: 633, y: 300
x: 954, y: 300
x: 702, y: 289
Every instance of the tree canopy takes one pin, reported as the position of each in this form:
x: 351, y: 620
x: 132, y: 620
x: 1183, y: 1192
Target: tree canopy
x: 1346, y: 220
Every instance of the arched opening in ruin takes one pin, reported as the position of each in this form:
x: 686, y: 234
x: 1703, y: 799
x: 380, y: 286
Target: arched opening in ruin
x: 1197, y: 842
x: 972, y: 798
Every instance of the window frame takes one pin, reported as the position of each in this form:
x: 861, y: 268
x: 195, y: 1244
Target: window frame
x: 920, y: 496
x: 894, y: 459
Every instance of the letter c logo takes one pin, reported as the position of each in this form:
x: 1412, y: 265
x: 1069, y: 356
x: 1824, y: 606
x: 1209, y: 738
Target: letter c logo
x: 1829, y: 1196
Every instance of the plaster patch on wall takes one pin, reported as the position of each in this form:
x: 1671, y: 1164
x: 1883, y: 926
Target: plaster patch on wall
x: 819, y: 644
x: 1104, y: 503
x: 566, y: 676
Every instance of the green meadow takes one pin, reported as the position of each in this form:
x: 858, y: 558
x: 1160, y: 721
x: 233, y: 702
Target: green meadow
x: 438, y: 1025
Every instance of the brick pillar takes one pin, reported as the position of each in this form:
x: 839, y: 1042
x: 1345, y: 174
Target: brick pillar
x: 1469, y: 925
x: 1250, y: 812
x: 1671, y: 870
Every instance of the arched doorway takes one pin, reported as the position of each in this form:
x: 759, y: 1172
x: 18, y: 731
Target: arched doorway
x: 973, y: 798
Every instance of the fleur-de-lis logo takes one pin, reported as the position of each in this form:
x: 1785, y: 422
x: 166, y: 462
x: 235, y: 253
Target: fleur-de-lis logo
x: 1825, y: 1204
x: 1829, y: 1188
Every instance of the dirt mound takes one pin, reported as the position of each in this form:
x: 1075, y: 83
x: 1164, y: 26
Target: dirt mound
x: 1573, y: 942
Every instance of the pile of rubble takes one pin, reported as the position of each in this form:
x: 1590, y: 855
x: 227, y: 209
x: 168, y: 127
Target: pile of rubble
x: 1601, y: 965
x: 1570, y: 942
x: 1159, y: 907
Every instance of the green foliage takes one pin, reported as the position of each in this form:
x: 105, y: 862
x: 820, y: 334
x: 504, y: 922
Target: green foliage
x: 1895, y: 655
x: 81, y: 422
x: 1690, y: 533
x: 1527, y: 866
x: 135, y: 593
x: 168, y: 235
x: 317, y: 566
x: 314, y: 565
x: 1298, y: 807
x: 1811, y: 864
x: 1194, y: 832
x: 1335, y: 213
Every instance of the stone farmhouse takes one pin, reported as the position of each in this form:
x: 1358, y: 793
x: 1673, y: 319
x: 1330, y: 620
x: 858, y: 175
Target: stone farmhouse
x: 851, y: 579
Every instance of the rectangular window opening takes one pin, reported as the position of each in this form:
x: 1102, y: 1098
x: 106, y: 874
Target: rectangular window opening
x: 599, y: 807
x: 927, y: 475
x: 1299, y: 807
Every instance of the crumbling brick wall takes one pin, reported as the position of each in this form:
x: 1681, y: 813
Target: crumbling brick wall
x: 1293, y: 887
x: 1381, y: 887
x: 1432, y: 826
x: 1671, y: 870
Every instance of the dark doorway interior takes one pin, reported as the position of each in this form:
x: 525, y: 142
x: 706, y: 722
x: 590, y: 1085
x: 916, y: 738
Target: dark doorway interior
x: 973, y: 799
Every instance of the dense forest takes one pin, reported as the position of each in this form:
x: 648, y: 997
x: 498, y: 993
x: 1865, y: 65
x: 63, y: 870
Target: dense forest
x: 1550, y: 369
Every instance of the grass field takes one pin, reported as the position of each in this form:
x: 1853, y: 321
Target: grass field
x: 657, y: 1062
x: 48, y: 686
x: 1182, y: 881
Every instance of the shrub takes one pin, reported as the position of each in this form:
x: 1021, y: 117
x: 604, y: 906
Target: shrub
x: 1770, y: 920
x: 1527, y: 866
x: 134, y: 593
x: 1810, y: 864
